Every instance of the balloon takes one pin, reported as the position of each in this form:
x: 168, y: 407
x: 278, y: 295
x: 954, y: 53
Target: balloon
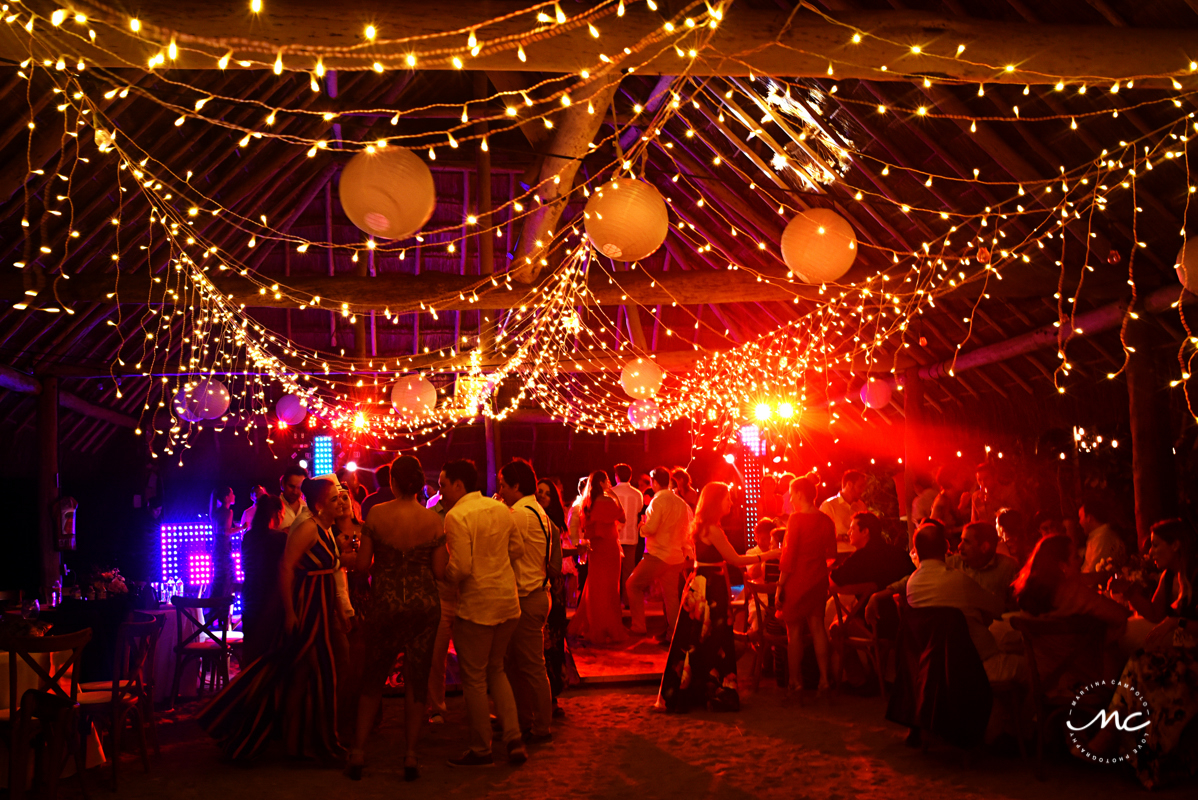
x: 291, y: 409
x: 211, y: 398
x: 1186, y: 265
x: 388, y: 193
x: 644, y: 415
x: 819, y: 246
x: 184, y: 407
x: 876, y: 393
x: 641, y: 378
x: 413, y: 396
x: 627, y: 219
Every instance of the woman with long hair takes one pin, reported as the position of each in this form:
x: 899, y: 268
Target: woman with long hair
x: 261, y: 553
x: 1050, y: 584
x: 220, y: 513
x: 403, y: 546
x: 556, y: 624
x: 599, y: 618
x: 301, y: 674
x: 701, y: 666
x: 803, y: 580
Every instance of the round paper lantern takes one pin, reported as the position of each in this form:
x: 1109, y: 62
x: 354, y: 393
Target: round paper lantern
x: 627, y: 219
x: 211, y: 398
x: 413, y: 395
x: 641, y: 378
x: 291, y: 409
x: 876, y: 394
x: 644, y: 415
x: 388, y: 193
x: 184, y: 407
x: 1187, y: 266
x: 819, y: 246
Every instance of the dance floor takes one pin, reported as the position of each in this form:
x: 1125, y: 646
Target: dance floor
x: 639, y: 660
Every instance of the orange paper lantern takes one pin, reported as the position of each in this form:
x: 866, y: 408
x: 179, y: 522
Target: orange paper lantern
x: 388, y: 193
x: 627, y: 220
x: 819, y: 246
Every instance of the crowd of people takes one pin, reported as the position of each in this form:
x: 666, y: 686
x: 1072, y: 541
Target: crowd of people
x: 339, y: 584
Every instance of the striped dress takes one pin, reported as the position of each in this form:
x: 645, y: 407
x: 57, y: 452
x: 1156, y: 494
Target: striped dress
x: 242, y: 717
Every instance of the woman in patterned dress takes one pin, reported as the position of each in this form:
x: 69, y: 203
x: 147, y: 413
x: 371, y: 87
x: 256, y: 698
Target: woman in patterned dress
x: 403, y: 545
x: 701, y: 666
x: 302, y: 671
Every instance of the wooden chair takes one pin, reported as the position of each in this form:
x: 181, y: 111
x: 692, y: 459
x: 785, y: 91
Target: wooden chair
x: 1063, y: 655
x: 761, y: 639
x: 843, y: 640
x: 211, y: 646
x: 47, y: 712
x: 126, y: 695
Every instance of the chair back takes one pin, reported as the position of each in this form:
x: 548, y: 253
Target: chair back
x: 26, y: 648
x: 1063, y: 654
x: 136, y: 640
x: 214, y: 610
x: 760, y: 612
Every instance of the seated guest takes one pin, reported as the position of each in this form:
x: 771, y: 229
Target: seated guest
x: 803, y: 580
x: 978, y: 558
x: 874, y: 563
x: 261, y: 553
x: 1049, y: 585
x: 1162, y: 675
x: 840, y: 508
x: 763, y: 534
x: 934, y: 584
x: 1013, y: 539
x: 1104, y: 548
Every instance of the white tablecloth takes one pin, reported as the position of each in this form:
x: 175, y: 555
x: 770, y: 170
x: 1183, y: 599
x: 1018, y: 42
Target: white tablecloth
x: 164, y: 658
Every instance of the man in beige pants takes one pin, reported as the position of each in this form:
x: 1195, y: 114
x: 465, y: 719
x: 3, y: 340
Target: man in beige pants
x: 483, y: 544
x: 525, y: 664
x: 665, y: 529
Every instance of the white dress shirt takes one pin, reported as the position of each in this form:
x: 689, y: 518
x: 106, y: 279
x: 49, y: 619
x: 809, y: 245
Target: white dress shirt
x: 666, y: 524
x: 530, y: 567
x: 631, y: 500
x: 290, y: 514
x: 483, y: 544
x: 934, y: 584
x: 841, y: 511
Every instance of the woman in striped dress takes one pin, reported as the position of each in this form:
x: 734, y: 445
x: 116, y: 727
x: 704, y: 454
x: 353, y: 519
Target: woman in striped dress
x: 281, y: 683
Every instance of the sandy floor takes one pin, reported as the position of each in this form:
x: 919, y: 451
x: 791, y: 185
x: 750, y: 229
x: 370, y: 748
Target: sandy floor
x: 611, y: 745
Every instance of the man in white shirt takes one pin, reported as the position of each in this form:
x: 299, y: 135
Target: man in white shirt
x: 525, y: 665
x: 843, y: 506
x: 934, y: 584
x: 665, y: 529
x: 1104, y: 546
x: 291, y: 493
x: 631, y: 500
x: 483, y: 545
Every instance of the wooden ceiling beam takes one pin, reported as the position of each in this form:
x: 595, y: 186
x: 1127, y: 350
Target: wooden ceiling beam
x: 760, y: 41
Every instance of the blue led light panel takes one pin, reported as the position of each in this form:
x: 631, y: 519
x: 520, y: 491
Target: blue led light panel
x: 322, y: 455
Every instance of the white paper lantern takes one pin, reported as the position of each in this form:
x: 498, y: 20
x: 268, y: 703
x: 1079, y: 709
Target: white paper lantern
x: 819, y: 246
x: 291, y: 409
x: 413, y: 396
x: 388, y: 193
x: 1187, y: 266
x: 211, y: 398
x: 641, y: 378
x: 644, y: 415
x: 184, y: 407
x: 627, y: 219
x: 876, y: 394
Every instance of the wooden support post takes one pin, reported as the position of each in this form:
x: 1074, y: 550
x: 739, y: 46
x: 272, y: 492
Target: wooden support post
x: 47, y: 484
x: 912, y: 441
x: 486, y: 237
x: 1153, y: 473
x: 494, y: 448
